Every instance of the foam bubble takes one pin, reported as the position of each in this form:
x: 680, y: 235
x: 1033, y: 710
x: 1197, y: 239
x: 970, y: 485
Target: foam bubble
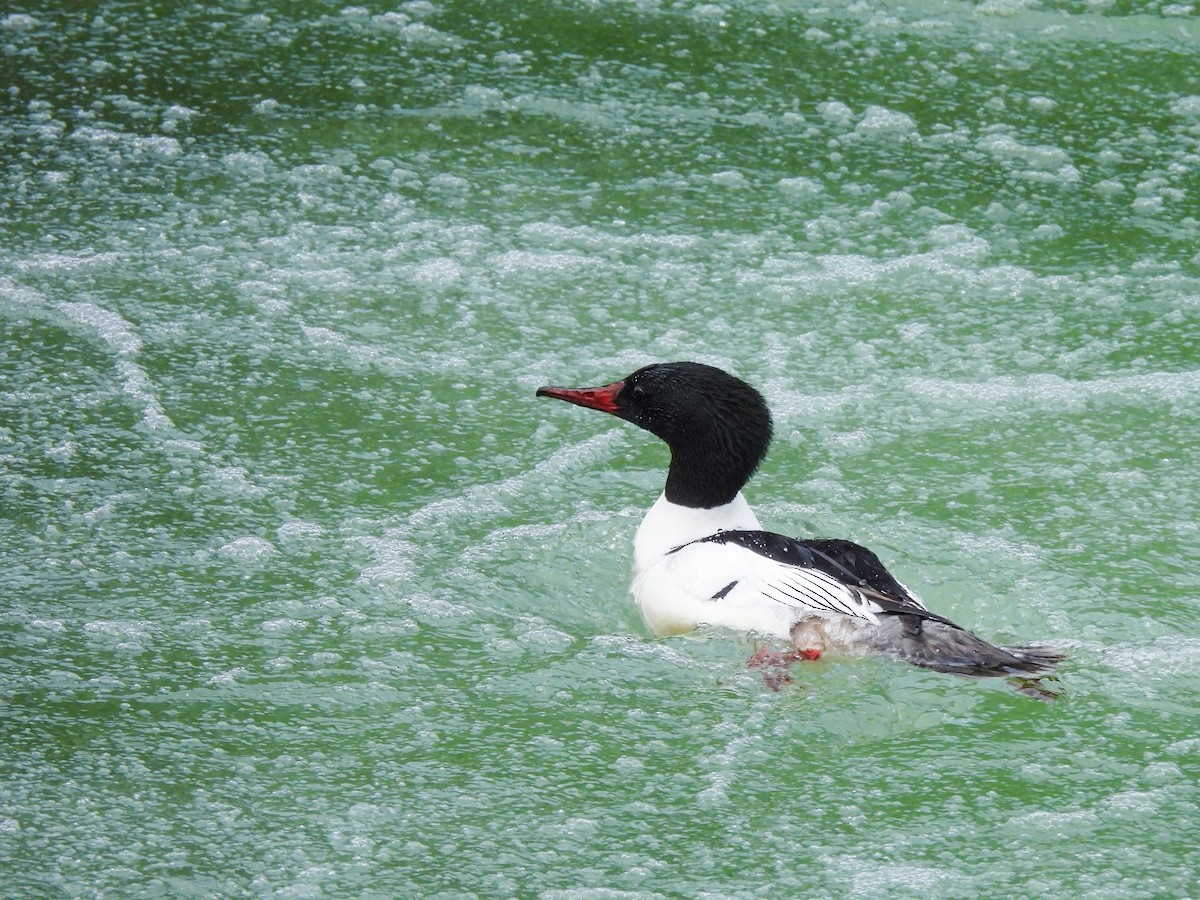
x: 297, y: 531
x: 18, y: 22
x: 1188, y: 106
x: 315, y: 174
x: 1004, y: 8
x: 283, y: 626
x: 836, y: 112
x: 229, y: 678
x: 251, y: 165
x: 438, y: 274
x: 117, y: 334
x: 54, y: 625
x: 248, y: 549
x: 116, y: 628
x: 879, y: 121
x: 1043, y: 157
x: 728, y: 178
x: 108, y: 326
x: 156, y: 145
x: 445, y: 183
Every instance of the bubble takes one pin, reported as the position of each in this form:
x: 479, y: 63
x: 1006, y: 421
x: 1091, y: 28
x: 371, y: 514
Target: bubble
x: 18, y: 22
x: 248, y: 549
x: 800, y: 187
x: 1188, y: 107
x: 878, y: 121
x: 836, y: 112
x: 728, y: 178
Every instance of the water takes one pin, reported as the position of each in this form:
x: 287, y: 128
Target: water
x: 305, y: 594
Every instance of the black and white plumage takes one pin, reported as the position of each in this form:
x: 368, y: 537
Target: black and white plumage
x: 702, y: 558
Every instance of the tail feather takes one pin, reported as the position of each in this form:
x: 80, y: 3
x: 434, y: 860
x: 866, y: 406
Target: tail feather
x: 1036, y: 660
x: 944, y: 647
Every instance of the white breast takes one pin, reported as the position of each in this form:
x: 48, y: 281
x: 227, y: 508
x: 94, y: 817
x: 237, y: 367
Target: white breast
x: 673, y: 590
x: 682, y: 582
x: 668, y: 525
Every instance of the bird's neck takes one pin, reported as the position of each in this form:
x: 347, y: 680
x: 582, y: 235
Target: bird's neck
x: 706, y: 477
x: 669, y: 525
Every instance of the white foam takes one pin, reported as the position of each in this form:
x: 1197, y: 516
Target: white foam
x: 420, y: 33
x: 19, y: 22
x: 1036, y: 156
x: 491, y: 499
x: 298, y: 531
x: 431, y: 607
x: 535, y: 262
x: 283, y: 626
x: 108, y: 326
x: 63, y: 452
x: 445, y: 183
x: 233, y: 481
x: 179, y: 113
x: 249, y: 165
x: 801, y: 187
x: 107, y: 508
x: 483, y: 97
x: 535, y: 632
x: 1188, y: 106
x: 139, y: 388
x: 116, y: 628
x: 156, y: 145
x: 394, y: 558
x: 57, y: 626
x: 88, y: 134
x: 836, y: 112
x: 229, y: 678
x: 728, y: 178
x: 316, y: 174
x: 1168, y: 656
x: 1051, y: 391
x: 248, y: 549
x: 438, y: 274
x: 1055, y: 822
x: 118, y: 335
x: 340, y: 350
x: 879, y: 121
x: 1004, y: 8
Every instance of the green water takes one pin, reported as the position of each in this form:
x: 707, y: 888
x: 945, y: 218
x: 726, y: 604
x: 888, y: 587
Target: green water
x: 305, y: 594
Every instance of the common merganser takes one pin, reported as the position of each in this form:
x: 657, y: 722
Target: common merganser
x: 702, y: 558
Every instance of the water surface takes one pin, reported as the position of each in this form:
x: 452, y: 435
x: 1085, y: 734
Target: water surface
x: 305, y: 594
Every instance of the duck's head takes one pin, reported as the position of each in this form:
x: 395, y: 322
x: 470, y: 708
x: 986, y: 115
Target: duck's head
x: 717, y: 426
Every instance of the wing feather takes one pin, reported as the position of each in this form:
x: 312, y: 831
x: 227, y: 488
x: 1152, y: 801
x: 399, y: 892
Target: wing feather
x: 812, y: 591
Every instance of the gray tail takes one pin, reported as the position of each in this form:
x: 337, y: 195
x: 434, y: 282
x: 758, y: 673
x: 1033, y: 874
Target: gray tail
x: 938, y: 644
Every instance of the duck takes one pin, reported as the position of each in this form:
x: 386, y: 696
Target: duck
x: 701, y: 558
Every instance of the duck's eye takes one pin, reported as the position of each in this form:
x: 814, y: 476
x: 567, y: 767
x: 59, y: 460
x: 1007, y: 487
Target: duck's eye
x: 637, y: 392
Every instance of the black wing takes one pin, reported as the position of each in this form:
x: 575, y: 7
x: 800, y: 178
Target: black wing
x: 848, y: 562
x: 846, y: 559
